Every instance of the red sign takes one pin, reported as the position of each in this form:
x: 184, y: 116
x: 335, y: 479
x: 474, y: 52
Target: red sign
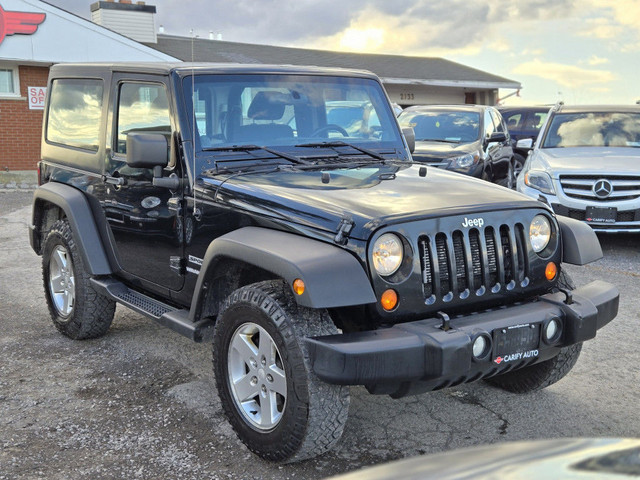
x: 24, y: 23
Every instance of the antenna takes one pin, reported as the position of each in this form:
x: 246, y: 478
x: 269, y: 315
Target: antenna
x: 193, y: 124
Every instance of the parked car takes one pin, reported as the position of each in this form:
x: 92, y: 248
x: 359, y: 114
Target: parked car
x: 586, y: 165
x: 469, y: 139
x: 523, y: 122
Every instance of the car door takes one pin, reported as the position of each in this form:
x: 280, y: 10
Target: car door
x: 144, y: 220
x: 502, y: 152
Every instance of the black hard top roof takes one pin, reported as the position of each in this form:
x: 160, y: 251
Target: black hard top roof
x: 183, y: 69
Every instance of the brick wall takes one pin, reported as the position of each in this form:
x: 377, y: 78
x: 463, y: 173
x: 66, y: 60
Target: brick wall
x: 21, y: 128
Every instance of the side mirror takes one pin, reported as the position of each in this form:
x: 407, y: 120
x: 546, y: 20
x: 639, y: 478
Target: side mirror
x: 410, y: 137
x: 147, y: 150
x: 525, y: 143
x: 497, y: 137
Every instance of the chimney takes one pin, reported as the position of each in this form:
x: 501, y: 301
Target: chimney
x: 136, y: 21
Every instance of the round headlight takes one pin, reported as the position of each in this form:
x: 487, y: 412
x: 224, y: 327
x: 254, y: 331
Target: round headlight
x: 539, y: 233
x: 387, y: 254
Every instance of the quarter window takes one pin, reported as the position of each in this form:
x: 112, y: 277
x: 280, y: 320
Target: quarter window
x: 75, y: 110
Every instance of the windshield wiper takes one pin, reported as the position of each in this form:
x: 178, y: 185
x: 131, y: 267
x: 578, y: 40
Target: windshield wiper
x: 340, y: 143
x: 249, y: 148
x: 441, y: 140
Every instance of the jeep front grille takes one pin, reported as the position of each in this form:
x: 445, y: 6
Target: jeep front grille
x: 624, y: 187
x: 475, y: 260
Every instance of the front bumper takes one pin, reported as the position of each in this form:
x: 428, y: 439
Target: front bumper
x: 420, y: 356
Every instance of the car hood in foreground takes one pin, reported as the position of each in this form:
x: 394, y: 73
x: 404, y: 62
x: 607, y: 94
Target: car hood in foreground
x: 369, y: 196
x: 566, y: 459
x: 588, y: 160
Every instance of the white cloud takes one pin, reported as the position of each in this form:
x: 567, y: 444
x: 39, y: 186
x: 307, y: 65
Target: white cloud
x: 596, y: 60
x: 565, y: 75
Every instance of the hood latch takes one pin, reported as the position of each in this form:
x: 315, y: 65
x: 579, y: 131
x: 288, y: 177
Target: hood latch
x: 344, y: 229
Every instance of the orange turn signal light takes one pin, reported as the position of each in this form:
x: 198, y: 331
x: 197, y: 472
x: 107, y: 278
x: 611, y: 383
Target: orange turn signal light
x: 551, y: 271
x: 298, y: 286
x: 389, y: 300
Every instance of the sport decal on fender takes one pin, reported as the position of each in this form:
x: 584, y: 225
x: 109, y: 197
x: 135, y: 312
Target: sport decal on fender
x: 516, y: 356
x: 23, y: 23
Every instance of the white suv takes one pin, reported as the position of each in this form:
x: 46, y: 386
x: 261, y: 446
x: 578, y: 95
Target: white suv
x: 586, y: 165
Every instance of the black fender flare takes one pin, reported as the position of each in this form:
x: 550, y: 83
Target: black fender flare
x: 78, y: 212
x: 333, y: 277
x: 580, y: 244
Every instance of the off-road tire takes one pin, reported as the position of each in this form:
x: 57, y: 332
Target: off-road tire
x: 91, y: 314
x: 541, y: 375
x: 315, y: 412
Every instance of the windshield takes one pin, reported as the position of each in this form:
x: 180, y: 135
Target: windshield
x: 458, y: 127
x: 282, y: 111
x: 601, y: 129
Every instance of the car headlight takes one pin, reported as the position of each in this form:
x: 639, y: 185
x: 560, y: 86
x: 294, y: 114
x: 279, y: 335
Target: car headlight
x: 464, y: 161
x: 387, y: 254
x: 539, y: 233
x: 540, y: 181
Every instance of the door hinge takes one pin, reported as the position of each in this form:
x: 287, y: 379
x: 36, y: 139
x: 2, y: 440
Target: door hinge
x: 178, y: 265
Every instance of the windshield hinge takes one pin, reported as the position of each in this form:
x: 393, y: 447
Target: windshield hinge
x: 344, y: 229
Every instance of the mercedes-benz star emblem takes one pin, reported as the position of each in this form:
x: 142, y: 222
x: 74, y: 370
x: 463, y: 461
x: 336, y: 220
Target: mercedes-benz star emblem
x: 602, y: 188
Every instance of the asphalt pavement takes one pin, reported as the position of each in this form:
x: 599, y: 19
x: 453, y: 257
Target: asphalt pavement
x: 140, y: 402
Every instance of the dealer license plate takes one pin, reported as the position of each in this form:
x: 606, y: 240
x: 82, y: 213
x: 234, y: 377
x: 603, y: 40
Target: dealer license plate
x: 601, y: 214
x: 516, y: 339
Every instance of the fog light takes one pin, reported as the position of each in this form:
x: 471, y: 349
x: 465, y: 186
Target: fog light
x: 480, y: 347
x: 552, y: 330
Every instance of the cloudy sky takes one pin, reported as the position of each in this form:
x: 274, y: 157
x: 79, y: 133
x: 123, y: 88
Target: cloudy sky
x: 579, y: 51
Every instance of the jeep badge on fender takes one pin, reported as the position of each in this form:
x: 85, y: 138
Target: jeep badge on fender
x: 242, y: 206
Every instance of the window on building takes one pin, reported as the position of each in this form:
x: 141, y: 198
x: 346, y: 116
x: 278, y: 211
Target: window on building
x: 9, y: 84
x: 75, y: 102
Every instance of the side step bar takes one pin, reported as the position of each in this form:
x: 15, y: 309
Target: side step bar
x: 177, y: 319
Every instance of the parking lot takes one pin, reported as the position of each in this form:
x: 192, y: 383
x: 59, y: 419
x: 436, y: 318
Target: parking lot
x: 141, y: 402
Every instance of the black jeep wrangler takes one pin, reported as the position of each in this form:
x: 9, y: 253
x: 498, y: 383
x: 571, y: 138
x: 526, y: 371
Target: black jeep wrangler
x: 219, y: 201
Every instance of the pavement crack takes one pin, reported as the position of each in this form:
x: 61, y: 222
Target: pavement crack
x: 470, y: 399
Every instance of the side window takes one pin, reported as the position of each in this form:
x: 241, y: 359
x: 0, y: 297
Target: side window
x: 514, y: 121
x: 75, y: 111
x: 142, y: 107
x: 489, y: 128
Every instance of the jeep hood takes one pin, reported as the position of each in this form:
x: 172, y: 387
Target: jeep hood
x: 589, y: 160
x: 370, y: 196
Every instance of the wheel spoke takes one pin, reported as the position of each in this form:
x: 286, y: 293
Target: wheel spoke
x: 244, y: 388
x: 245, y: 347
x: 60, y: 257
x: 267, y: 349
x: 67, y: 299
x: 279, y: 383
x: 56, y: 284
x: 268, y: 411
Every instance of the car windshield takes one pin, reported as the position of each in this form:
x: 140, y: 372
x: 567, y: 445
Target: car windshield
x: 285, y: 111
x: 595, y: 129
x: 457, y: 127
